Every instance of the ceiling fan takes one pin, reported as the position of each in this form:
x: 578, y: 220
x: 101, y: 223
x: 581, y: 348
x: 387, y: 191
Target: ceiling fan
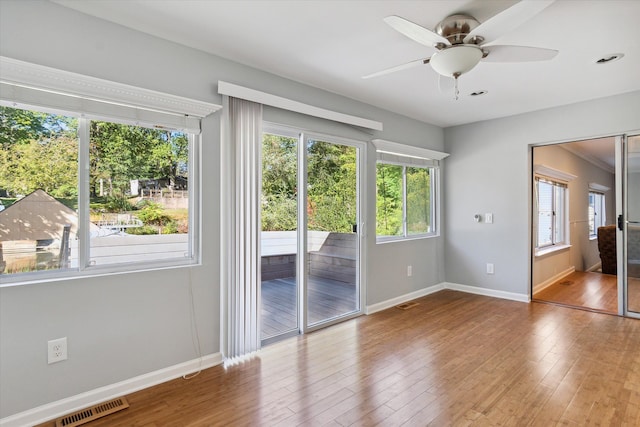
x: 461, y: 42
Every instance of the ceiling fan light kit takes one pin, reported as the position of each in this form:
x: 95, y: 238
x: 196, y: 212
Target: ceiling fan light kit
x: 456, y: 60
x: 461, y: 42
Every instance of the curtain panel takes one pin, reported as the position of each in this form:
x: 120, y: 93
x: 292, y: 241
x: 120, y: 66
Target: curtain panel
x: 241, y: 247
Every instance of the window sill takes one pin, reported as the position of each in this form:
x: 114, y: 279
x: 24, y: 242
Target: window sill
x: 594, y: 237
x: 392, y: 239
x: 551, y: 250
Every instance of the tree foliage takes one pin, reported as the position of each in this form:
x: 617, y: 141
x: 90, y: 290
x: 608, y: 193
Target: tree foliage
x: 331, y: 185
x: 389, y: 200
x: 40, y: 150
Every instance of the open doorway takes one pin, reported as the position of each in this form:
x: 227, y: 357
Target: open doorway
x: 574, y: 225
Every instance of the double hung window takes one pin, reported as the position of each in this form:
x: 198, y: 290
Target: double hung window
x: 552, y: 213
x: 597, y: 217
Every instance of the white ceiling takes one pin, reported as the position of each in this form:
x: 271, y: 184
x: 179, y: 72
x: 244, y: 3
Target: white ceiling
x: 331, y: 44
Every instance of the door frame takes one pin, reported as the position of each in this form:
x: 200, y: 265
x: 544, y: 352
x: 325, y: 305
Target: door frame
x: 623, y: 282
x: 302, y: 259
x: 361, y: 203
x: 621, y: 209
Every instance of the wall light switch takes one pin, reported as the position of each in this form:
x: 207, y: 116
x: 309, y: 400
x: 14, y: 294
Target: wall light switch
x: 488, y: 218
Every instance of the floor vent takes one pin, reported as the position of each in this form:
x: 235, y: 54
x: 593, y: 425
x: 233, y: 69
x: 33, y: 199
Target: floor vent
x: 566, y: 282
x: 407, y: 305
x: 93, y: 413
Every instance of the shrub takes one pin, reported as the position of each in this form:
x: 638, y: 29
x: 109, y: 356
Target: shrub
x: 144, y: 230
x: 154, y: 214
x: 118, y: 203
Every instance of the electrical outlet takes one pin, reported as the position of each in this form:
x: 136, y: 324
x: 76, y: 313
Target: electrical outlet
x: 489, y: 268
x: 409, y: 271
x: 57, y: 350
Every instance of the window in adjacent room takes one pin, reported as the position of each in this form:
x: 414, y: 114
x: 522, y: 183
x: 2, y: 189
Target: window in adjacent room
x: 597, y: 217
x: 552, y: 213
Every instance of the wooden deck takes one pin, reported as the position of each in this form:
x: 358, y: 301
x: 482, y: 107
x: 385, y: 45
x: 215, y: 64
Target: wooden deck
x: 327, y: 299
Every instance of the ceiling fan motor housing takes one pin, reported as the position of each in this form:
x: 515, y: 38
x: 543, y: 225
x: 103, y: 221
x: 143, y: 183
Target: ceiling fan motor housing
x: 456, y: 27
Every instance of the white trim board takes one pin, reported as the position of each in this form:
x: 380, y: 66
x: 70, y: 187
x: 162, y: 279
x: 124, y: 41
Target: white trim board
x: 20, y: 73
x: 62, y: 407
x: 550, y: 281
x: 370, y: 309
x: 253, y: 95
x: 488, y: 292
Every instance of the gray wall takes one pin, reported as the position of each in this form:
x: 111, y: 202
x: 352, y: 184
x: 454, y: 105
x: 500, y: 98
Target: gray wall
x: 121, y: 326
x: 489, y: 171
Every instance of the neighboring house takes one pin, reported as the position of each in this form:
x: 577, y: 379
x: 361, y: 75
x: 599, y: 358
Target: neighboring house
x: 32, y: 231
x: 38, y: 217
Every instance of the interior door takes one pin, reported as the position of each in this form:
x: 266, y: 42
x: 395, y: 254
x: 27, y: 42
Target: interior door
x: 632, y: 225
x: 332, y: 210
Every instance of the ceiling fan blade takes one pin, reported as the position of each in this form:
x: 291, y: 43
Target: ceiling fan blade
x: 414, y: 31
x: 508, y: 20
x: 397, y: 68
x: 502, y: 53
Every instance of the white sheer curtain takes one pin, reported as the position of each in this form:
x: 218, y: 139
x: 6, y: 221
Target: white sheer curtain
x: 241, y: 227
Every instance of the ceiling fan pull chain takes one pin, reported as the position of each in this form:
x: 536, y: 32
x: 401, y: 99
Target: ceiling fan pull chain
x: 456, y: 92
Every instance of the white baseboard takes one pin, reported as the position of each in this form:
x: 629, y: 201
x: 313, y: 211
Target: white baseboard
x: 487, y: 292
x: 62, y: 407
x: 446, y: 285
x: 370, y: 309
x: 595, y: 267
x: 550, y: 281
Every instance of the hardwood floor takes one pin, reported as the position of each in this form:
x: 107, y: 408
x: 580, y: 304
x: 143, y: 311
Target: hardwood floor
x: 594, y: 291
x: 455, y: 359
x: 327, y: 299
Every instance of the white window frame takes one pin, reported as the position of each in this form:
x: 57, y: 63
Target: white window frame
x: 599, y: 218
x: 560, y: 214
x: 393, y: 153
x: 34, y: 87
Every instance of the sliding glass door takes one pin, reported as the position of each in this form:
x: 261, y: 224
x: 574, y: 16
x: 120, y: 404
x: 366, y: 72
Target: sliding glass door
x: 279, y: 236
x: 632, y: 225
x: 310, y: 245
x: 331, y: 231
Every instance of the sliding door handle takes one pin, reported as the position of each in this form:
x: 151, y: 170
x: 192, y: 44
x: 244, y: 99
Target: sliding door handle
x: 620, y: 223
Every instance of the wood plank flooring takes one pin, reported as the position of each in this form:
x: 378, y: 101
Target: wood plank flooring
x: 455, y: 359
x: 327, y: 299
x: 594, y: 291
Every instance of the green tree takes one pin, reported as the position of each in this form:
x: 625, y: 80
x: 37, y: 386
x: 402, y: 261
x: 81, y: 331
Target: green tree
x: 389, y: 200
x: 120, y: 153
x: 279, y: 183
x: 418, y: 200
x: 38, y: 150
x: 332, y: 187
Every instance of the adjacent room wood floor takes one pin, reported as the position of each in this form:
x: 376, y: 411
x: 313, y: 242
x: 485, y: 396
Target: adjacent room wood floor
x: 594, y: 291
x: 455, y: 359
